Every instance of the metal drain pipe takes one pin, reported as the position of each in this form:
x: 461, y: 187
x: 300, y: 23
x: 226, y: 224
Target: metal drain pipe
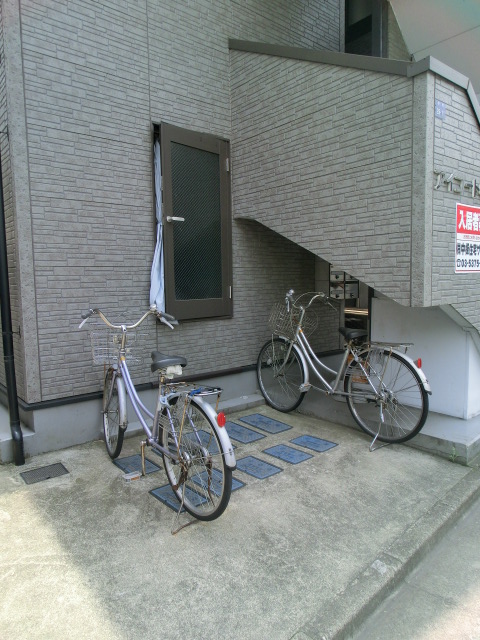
x: 7, y: 337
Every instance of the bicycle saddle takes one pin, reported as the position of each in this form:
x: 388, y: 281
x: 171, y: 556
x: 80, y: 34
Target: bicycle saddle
x: 352, y: 334
x: 162, y: 361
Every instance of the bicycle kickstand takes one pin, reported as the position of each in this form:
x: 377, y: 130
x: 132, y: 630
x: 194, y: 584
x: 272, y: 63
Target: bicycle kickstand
x: 142, y: 453
x: 177, y: 516
x: 372, y: 446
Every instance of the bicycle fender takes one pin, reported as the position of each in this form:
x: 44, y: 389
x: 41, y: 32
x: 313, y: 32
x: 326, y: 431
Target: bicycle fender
x: 221, y: 432
x: 422, y: 376
x: 122, y: 403
x: 302, y: 358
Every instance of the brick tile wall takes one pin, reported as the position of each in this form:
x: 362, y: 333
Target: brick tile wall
x: 97, y: 74
x: 323, y: 157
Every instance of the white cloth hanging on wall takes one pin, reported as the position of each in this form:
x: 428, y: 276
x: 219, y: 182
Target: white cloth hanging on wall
x: 157, y: 279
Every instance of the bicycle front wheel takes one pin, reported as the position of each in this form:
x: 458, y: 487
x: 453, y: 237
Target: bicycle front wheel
x: 280, y: 374
x: 200, y: 478
x: 114, y: 413
x: 386, y: 396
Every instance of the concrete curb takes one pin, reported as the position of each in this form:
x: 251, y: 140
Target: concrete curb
x: 349, y: 608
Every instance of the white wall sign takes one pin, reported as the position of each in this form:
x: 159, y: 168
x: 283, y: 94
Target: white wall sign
x: 467, y: 252
x: 440, y: 110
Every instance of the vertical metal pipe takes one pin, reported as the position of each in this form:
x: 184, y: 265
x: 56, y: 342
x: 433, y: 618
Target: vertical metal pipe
x: 7, y: 337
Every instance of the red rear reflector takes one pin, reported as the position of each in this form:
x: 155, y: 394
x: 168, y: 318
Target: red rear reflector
x: 418, y: 362
x: 221, y: 419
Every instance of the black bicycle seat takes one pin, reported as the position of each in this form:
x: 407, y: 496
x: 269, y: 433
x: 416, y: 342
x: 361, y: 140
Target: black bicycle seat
x: 353, y: 334
x: 162, y: 361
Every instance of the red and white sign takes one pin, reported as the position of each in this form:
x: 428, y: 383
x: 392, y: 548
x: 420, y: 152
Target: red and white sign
x: 467, y: 251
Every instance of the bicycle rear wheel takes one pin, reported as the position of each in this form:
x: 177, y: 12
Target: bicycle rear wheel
x: 200, y: 478
x: 280, y: 374
x: 386, y: 396
x: 114, y: 413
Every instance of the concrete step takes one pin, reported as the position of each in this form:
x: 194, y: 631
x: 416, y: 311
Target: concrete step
x: 42, y: 442
x: 452, y: 438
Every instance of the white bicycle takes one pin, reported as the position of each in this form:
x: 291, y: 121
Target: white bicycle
x: 184, y: 428
x: 386, y: 391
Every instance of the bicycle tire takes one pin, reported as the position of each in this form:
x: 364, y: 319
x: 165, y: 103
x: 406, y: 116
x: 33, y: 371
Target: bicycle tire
x: 279, y: 384
x: 404, y: 401
x: 206, y: 485
x: 114, y: 413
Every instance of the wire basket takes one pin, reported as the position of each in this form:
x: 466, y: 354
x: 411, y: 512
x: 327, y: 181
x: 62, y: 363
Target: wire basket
x: 106, y: 345
x: 284, y: 323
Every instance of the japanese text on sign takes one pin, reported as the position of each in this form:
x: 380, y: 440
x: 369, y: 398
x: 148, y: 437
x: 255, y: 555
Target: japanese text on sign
x: 467, y: 258
x: 457, y: 184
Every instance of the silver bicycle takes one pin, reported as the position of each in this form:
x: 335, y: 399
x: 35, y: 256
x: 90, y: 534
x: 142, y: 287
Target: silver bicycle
x: 386, y: 391
x: 184, y: 428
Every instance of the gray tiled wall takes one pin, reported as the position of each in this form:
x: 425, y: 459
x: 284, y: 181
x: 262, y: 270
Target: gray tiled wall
x: 97, y: 74
x: 323, y: 156
x: 397, y: 48
x: 10, y: 58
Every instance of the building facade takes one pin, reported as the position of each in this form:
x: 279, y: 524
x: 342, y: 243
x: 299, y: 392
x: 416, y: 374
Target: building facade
x: 333, y: 159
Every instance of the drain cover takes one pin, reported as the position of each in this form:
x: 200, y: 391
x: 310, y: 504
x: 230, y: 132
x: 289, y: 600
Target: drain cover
x: 44, y: 473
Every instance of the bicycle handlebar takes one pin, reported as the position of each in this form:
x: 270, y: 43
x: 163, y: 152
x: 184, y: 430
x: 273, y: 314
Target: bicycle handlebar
x: 289, y: 299
x: 166, y: 318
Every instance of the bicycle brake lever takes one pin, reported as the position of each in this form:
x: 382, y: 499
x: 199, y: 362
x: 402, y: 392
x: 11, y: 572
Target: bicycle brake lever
x: 162, y: 319
x: 326, y: 300
x: 288, y: 299
x: 85, y: 317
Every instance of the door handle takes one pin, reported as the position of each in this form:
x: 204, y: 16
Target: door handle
x: 175, y: 219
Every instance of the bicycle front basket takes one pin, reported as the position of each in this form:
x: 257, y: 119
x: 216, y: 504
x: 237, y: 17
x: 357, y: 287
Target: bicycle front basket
x: 284, y: 323
x: 280, y: 321
x: 106, y: 343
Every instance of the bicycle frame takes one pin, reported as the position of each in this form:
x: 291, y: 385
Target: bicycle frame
x: 123, y: 379
x: 163, y: 405
x: 311, y: 361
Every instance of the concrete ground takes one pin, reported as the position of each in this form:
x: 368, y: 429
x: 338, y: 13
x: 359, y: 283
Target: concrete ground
x: 440, y: 599
x: 305, y: 554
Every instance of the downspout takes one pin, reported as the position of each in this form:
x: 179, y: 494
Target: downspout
x: 7, y: 337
